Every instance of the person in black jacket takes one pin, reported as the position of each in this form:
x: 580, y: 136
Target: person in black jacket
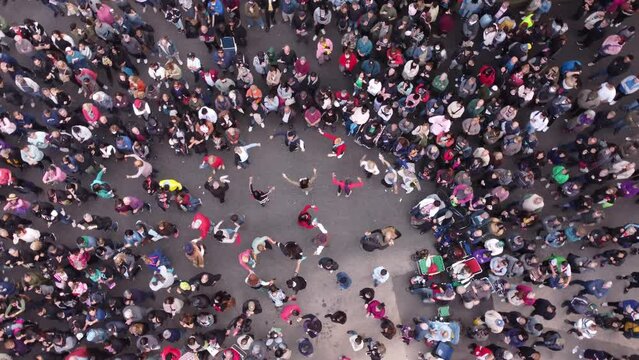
x: 618, y: 66
x: 270, y: 8
x: 302, y: 24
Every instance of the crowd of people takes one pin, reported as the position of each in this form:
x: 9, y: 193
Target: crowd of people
x: 467, y: 115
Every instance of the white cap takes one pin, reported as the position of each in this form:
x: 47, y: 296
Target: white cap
x: 495, y: 246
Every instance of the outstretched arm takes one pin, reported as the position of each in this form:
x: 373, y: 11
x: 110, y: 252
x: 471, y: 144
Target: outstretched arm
x: 289, y: 180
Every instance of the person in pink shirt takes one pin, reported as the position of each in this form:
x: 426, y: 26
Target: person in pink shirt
x: 346, y: 185
x: 376, y: 309
x: 290, y: 311
x: 54, y: 175
x: 247, y: 260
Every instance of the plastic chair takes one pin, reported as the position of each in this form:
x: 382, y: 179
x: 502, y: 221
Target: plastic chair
x: 432, y: 265
x: 444, y: 351
x: 443, y: 312
x: 482, y: 255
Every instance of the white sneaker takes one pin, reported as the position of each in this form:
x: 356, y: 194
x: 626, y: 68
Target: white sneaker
x: 80, y: 91
x: 323, y: 32
x: 575, y: 349
x: 146, y: 61
x: 262, y: 125
x: 250, y: 128
x: 180, y: 62
x: 314, y: 37
x: 137, y: 60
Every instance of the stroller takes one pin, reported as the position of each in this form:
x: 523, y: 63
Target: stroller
x: 465, y: 270
x: 430, y: 265
x: 369, y: 133
x: 228, y: 44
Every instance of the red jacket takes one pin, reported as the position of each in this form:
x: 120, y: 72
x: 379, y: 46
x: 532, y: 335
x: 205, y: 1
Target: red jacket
x: 287, y: 311
x: 5, y: 177
x: 337, y: 149
x: 205, y: 225
x: 170, y: 350
x: 348, y: 64
x: 342, y: 184
x: 395, y: 56
x: 446, y: 23
x: 308, y: 222
x: 486, y: 75
x: 217, y: 163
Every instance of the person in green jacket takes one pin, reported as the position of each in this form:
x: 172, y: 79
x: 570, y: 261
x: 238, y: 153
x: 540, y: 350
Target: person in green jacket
x: 475, y: 107
x: 101, y: 187
x: 560, y: 174
x: 440, y: 84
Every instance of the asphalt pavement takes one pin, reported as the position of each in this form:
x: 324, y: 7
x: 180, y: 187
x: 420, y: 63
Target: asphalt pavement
x: 346, y: 219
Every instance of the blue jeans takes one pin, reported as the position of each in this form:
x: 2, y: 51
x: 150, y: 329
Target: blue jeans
x: 255, y: 22
x: 632, y: 106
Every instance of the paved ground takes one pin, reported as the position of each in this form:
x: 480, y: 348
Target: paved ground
x: 345, y: 219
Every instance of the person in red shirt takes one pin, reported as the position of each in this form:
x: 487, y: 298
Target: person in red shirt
x: 482, y: 353
x: 376, y: 309
x: 339, y: 146
x: 346, y: 185
x: 347, y: 62
x: 289, y: 311
x: 213, y: 161
x: 170, y: 353
x: 395, y: 57
x: 446, y: 23
x: 308, y: 221
x: 202, y: 224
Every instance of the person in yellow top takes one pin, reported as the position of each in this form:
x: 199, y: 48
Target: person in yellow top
x: 171, y: 185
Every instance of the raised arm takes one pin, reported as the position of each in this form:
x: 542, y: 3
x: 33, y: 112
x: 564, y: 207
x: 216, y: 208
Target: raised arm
x: 313, y: 178
x: 217, y: 226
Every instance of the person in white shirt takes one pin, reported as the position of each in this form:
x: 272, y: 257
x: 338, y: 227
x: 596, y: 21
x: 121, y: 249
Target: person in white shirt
x: 158, y: 74
x: 369, y: 167
x: 607, y: 93
x: 242, y: 155
x: 538, y: 122
x: 194, y: 64
x: 380, y: 275
x: 357, y: 343
x: 162, y: 279
x: 207, y: 114
x: 141, y: 108
x: 26, y: 234
x: 81, y: 133
x: 385, y: 112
